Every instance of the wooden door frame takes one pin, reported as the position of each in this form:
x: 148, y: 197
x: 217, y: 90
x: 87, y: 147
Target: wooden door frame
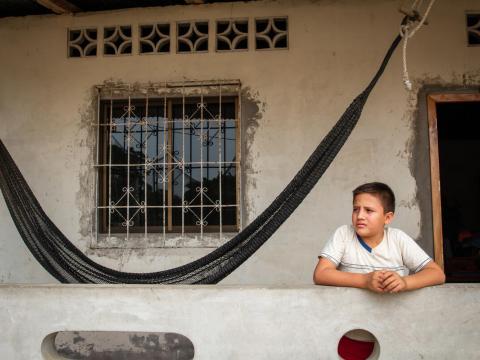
x: 432, y: 100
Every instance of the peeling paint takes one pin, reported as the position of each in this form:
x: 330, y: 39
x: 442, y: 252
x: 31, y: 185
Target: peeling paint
x: 123, y: 345
x: 408, y: 204
x: 124, y: 258
x: 253, y: 110
x: 77, y: 338
x: 115, y: 248
x: 86, y: 138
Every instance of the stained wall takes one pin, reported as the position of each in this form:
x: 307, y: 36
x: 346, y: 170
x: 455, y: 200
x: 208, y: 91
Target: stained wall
x: 290, y: 99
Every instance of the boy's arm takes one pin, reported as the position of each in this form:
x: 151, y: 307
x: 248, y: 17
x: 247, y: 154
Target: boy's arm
x: 430, y: 275
x: 326, y: 273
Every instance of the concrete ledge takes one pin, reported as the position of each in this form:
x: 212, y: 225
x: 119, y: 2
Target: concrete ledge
x: 241, y: 322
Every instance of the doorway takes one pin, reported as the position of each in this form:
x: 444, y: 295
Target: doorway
x: 454, y: 126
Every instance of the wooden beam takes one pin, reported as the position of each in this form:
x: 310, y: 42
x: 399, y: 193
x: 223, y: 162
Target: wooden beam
x: 194, y: 2
x: 435, y: 181
x: 59, y: 6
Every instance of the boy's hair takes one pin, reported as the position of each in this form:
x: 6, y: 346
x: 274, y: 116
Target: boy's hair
x: 383, y: 191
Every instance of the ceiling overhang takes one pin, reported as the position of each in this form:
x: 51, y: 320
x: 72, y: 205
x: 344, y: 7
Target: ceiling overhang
x: 42, y: 7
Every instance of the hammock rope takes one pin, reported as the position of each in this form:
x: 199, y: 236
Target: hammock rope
x: 405, y: 32
x: 69, y: 265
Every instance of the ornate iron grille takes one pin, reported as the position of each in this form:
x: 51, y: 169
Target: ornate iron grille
x: 169, y: 159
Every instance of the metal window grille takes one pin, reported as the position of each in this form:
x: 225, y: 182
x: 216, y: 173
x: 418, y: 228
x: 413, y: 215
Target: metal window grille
x: 169, y: 159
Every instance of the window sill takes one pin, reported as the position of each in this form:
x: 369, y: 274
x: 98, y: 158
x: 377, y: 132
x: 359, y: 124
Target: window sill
x: 140, y: 241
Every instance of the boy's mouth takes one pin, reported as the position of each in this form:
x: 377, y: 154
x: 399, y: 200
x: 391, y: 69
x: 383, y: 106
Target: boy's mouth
x: 361, y: 225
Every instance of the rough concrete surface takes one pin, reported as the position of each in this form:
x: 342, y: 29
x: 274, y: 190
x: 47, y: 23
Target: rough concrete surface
x: 246, y: 322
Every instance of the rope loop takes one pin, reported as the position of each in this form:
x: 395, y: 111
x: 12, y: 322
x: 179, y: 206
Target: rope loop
x: 407, y: 32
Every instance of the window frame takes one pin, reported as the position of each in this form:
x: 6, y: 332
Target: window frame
x: 432, y: 100
x: 171, y: 94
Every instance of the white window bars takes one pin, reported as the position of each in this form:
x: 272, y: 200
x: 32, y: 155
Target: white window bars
x: 169, y: 160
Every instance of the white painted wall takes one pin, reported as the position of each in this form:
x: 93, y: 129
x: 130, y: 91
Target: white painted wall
x: 335, y: 48
x: 247, y: 322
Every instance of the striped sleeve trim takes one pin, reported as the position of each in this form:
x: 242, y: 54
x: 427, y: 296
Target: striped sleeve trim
x: 331, y: 258
x: 422, y: 264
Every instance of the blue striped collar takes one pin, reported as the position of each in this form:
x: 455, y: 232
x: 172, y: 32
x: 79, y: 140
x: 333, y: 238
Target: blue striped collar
x: 363, y: 243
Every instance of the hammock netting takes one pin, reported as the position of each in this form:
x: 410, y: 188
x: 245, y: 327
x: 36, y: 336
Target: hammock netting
x: 69, y: 265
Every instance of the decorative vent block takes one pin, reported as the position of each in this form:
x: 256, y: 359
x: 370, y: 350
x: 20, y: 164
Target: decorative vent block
x: 117, y: 40
x: 192, y: 36
x: 473, y: 29
x: 271, y: 33
x: 154, y: 39
x: 232, y: 35
x: 82, y: 42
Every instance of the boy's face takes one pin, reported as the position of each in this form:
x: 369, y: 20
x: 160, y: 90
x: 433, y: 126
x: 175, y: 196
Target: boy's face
x: 368, y: 216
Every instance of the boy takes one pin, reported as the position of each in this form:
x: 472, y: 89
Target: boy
x: 369, y: 255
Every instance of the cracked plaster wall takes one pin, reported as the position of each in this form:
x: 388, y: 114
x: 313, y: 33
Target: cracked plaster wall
x: 291, y: 98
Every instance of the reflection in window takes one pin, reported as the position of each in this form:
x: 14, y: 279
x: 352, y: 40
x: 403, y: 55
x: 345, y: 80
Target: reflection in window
x: 168, y: 165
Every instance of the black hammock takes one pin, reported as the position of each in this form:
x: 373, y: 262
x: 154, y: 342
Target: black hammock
x: 69, y: 265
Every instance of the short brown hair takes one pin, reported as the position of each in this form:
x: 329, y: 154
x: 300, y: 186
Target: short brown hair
x: 383, y: 191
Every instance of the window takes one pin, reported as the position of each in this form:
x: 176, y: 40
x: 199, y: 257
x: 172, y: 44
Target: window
x: 154, y: 39
x: 473, y: 29
x: 169, y: 159
x: 271, y: 33
x: 117, y: 40
x: 232, y: 35
x: 192, y: 37
x: 82, y: 42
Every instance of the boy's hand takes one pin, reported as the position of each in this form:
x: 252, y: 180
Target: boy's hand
x: 375, y: 281
x: 392, y: 282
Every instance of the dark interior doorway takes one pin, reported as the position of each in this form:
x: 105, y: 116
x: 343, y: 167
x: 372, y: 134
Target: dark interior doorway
x: 459, y: 164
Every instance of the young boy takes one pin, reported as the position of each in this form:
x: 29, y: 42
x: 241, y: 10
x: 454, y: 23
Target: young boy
x: 369, y: 255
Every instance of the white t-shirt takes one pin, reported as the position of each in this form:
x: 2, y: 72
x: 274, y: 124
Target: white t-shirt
x: 397, y: 252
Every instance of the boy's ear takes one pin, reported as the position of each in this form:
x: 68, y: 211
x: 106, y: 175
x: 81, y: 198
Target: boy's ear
x: 389, y: 217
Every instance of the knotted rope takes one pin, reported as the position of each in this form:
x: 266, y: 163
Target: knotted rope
x: 406, y: 32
